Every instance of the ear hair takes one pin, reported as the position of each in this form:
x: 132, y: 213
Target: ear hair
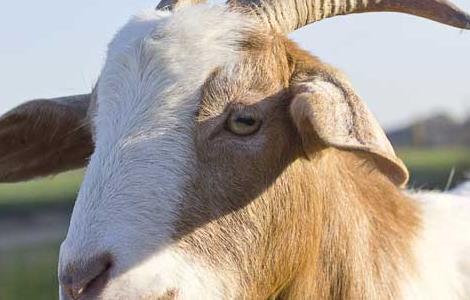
x: 44, y: 137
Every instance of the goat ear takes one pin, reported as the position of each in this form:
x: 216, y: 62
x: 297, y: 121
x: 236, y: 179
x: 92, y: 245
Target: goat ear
x: 44, y: 137
x: 328, y: 109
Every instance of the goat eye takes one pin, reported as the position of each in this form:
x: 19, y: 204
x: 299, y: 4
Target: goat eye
x: 242, y: 124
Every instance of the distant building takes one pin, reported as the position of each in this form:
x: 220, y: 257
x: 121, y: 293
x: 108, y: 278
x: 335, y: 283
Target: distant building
x: 440, y: 130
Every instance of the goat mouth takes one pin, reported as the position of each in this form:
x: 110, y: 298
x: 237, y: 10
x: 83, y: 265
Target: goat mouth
x: 96, y: 286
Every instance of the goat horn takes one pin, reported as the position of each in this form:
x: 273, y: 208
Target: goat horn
x: 289, y: 15
x: 177, y: 4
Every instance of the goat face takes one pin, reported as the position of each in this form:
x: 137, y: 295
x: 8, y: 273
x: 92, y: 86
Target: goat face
x: 196, y: 187
x: 199, y: 133
x: 191, y: 129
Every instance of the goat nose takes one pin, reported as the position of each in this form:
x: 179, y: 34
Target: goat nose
x: 85, y: 277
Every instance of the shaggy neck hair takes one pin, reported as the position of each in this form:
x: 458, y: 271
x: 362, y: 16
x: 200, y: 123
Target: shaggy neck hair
x: 328, y: 227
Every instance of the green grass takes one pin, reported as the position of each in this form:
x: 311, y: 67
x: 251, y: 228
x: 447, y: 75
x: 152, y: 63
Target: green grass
x: 50, y: 189
x: 435, y: 158
x: 431, y: 168
x: 29, y: 273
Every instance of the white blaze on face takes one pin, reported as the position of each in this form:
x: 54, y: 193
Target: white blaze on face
x: 148, y: 95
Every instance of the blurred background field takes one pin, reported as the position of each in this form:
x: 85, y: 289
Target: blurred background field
x: 34, y: 218
x: 436, y: 168
x: 29, y: 272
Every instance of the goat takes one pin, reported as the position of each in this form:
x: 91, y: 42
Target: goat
x: 226, y: 163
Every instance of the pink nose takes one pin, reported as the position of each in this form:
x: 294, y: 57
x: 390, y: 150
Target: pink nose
x: 83, y: 278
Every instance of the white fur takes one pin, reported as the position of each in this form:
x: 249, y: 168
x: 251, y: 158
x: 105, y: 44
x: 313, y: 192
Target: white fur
x: 148, y: 94
x: 442, y: 249
x: 170, y: 269
x: 463, y: 189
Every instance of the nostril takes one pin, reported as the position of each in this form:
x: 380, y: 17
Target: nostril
x: 85, y: 277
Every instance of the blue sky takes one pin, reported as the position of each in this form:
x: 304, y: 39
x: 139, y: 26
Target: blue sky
x: 404, y: 67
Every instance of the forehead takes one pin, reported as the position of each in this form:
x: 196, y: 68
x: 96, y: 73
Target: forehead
x: 163, y: 59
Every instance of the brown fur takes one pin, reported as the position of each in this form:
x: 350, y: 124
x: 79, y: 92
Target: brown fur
x: 43, y: 137
x: 295, y: 219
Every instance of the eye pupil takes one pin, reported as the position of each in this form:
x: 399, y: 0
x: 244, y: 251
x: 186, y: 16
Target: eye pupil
x: 246, y: 120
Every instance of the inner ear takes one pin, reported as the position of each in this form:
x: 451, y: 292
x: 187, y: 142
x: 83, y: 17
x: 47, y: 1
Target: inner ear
x: 300, y: 115
x: 330, y: 114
